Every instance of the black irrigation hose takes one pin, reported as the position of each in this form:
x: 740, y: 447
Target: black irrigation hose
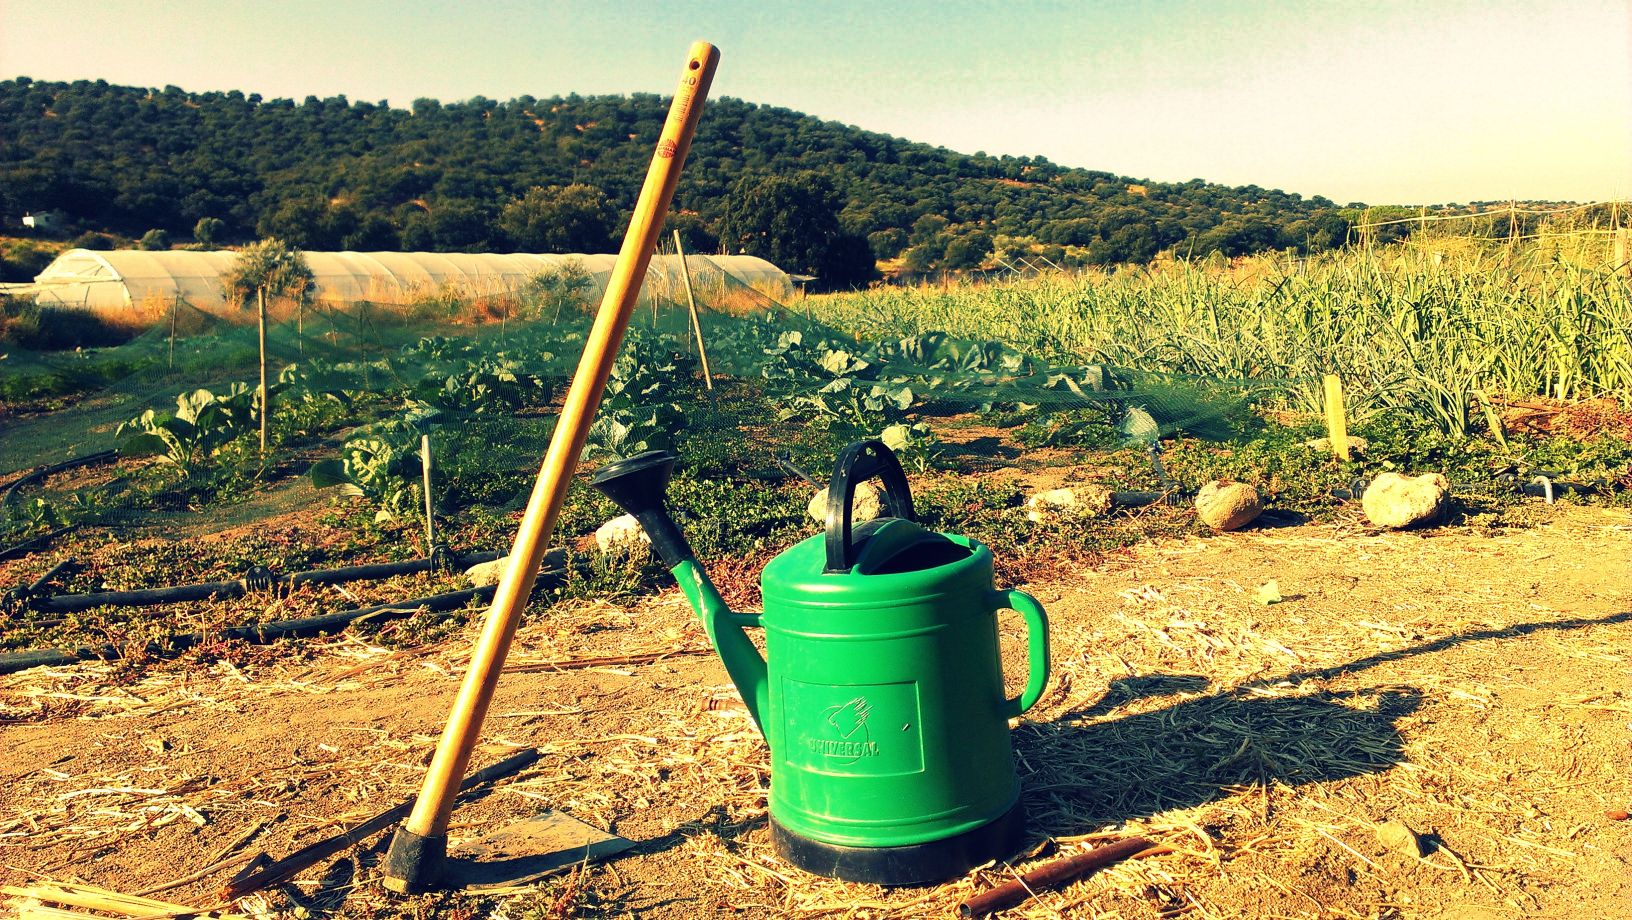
x: 256, y: 579
x: 23, y: 548
x: 263, y: 633
x: 40, y: 474
x: 1130, y: 499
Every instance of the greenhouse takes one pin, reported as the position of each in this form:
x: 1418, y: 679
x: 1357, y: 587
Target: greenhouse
x: 128, y: 279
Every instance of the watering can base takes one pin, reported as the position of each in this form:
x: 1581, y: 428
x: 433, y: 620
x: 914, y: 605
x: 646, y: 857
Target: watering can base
x: 917, y: 864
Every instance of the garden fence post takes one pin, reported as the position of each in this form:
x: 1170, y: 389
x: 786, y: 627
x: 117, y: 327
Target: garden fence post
x: 1337, y: 424
x: 260, y: 299
x: 691, y: 304
x: 425, y: 465
x: 175, y: 304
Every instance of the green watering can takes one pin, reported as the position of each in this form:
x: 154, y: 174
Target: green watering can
x: 883, y: 699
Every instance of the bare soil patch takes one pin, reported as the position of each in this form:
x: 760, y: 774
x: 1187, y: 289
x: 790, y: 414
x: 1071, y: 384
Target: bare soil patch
x: 1470, y: 684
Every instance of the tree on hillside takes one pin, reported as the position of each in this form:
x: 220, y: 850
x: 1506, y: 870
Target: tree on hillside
x: 573, y: 218
x: 331, y: 173
x: 270, y: 268
x: 208, y: 230
x: 794, y: 222
x: 968, y: 250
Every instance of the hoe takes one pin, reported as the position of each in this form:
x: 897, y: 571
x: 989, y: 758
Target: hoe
x: 881, y: 691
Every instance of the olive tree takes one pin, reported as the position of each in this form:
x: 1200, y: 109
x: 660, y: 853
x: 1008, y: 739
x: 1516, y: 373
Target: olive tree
x: 270, y: 268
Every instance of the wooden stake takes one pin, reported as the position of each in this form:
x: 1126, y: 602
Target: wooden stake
x: 260, y: 299
x: 425, y: 466
x: 174, y: 305
x: 691, y: 304
x: 419, y: 848
x: 1337, y: 422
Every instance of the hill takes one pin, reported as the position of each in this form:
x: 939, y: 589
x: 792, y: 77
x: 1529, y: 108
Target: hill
x: 814, y: 195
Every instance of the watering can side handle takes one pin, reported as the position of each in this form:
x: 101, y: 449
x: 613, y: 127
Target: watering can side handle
x: 1036, y: 648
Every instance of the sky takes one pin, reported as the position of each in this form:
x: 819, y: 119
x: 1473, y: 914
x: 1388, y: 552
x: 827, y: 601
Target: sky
x: 1423, y: 102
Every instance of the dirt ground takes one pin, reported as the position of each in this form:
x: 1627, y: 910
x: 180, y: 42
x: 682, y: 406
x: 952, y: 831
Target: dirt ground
x: 1472, y: 684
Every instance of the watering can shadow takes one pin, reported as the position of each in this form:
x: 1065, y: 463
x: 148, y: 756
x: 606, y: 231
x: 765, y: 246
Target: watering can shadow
x: 1091, y: 768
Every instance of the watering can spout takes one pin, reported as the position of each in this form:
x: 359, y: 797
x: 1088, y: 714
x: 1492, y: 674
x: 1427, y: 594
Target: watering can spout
x: 637, y: 485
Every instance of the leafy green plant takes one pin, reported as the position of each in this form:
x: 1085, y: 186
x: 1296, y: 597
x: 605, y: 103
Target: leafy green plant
x: 203, y: 424
x: 639, y: 412
x: 1090, y: 427
x: 855, y: 404
x: 385, y: 468
x: 553, y: 291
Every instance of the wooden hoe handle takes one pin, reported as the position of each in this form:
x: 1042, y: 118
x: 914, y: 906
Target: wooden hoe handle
x: 418, y: 850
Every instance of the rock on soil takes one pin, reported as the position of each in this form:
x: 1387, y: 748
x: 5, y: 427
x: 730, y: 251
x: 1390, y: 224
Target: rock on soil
x: 1076, y: 501
x: 1225, y: 505
x: 866, y: 505
x: 1395, y: 501
x: 483, y: 574
x: 622, y: 534
x: 1399, y: 837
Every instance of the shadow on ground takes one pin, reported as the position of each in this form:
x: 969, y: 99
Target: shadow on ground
x: 1092, y: 768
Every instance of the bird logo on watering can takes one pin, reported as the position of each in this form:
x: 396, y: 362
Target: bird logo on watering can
x: 849, y: 720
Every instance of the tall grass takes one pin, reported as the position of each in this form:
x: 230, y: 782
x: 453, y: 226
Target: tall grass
x: 1406, y: 328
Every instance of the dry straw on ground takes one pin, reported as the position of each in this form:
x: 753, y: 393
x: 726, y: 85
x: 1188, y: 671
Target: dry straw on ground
x: 1470, y: 687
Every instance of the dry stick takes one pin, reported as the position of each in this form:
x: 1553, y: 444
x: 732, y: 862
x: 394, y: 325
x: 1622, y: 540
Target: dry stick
x: 222, y: 859
x: 103, y: 899
x: 411, y: 863
x: 308, y: 856
x: 691, y: 302
x: 1053, y: 875
x: 205, y: 872
x: 578, y: 664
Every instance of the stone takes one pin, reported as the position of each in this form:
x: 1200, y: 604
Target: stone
x: 1074, y: 501
x: 622, y: 534
x: 1225, y: 505
x: 483, y: 574
x: 1395, y: 501
x: 866, y: 505
x: 1399, y: 837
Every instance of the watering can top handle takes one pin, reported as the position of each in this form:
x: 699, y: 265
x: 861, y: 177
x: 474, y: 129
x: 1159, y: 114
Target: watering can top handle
x: 858, y: 463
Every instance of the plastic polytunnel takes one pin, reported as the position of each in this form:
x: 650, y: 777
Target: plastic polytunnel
x: 124, y: 280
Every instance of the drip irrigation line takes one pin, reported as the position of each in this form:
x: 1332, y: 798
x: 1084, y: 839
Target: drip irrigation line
x: 41, y: 473
x: 786, y: 462
x: 23, y: 548
x: 256, y: 579
x: 265, y: 633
